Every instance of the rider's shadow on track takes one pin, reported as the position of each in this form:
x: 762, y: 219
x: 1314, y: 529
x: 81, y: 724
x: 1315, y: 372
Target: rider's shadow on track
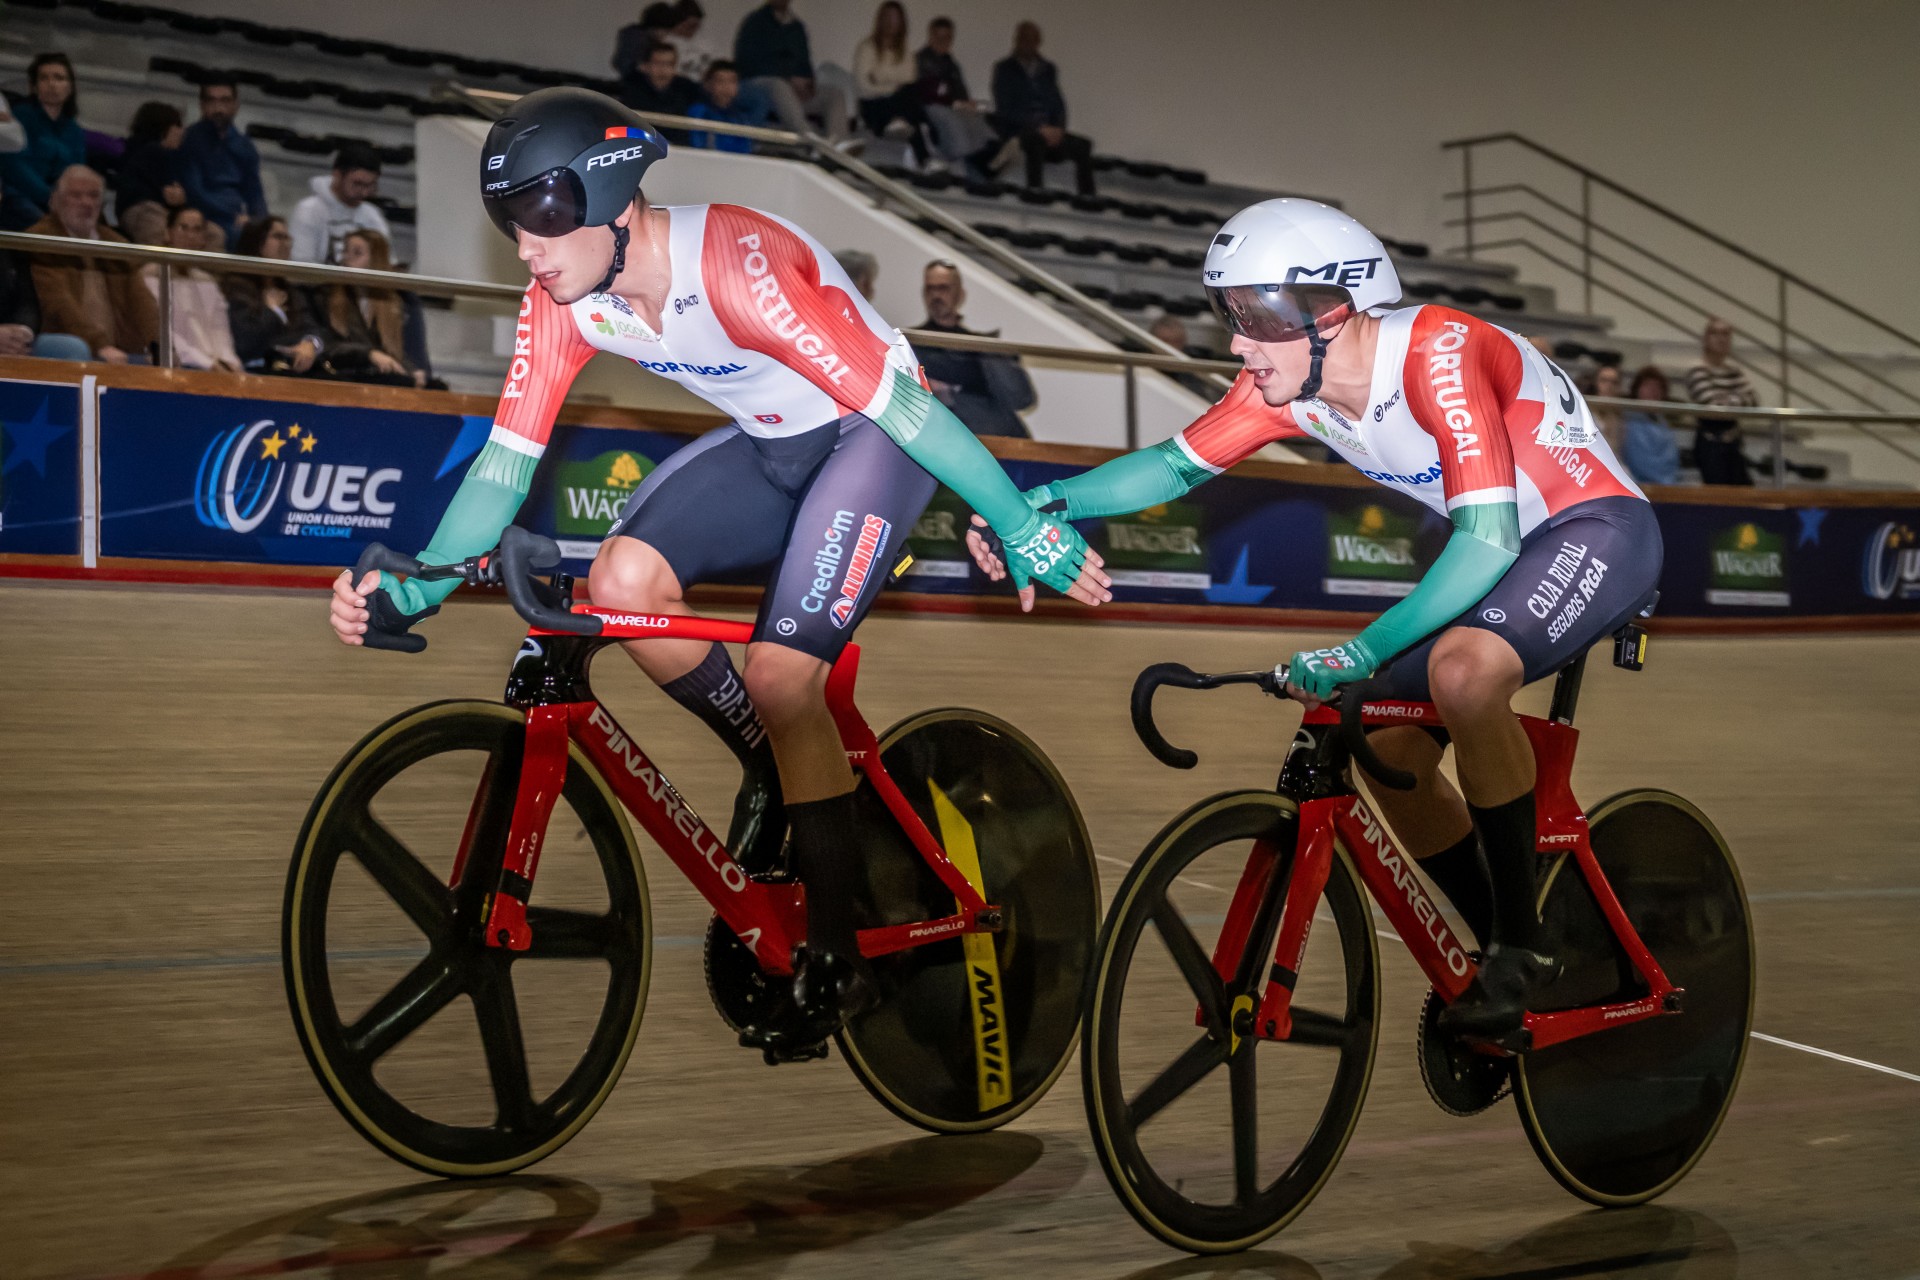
x: 750, y: 1219
x: 1647, y: 1242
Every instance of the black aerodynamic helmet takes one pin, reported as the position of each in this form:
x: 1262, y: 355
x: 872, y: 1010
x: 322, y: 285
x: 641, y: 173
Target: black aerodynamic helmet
x: 564, y: 158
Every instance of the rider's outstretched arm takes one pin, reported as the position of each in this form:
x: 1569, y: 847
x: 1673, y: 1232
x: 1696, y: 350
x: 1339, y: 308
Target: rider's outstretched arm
x: 1483, y: 546
x: 772, y: 293
x: 1231, y: 430
x: 548, y: 353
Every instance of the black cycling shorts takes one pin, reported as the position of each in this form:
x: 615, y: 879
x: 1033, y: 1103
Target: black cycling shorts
x: 829, y: 509
x: 1581, y: 575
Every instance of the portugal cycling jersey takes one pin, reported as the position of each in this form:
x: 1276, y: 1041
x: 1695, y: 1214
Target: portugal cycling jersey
x: 761, y: 323
x: 1461, y: 412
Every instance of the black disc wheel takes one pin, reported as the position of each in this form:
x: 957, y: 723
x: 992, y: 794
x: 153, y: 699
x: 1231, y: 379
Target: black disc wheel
x: 449, y: 1055
x: 1621, y: 1115
x: 972, y: 1030
x: 1213, y: 1136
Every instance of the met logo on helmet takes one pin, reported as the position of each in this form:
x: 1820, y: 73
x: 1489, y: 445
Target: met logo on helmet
x: 1350, y: 272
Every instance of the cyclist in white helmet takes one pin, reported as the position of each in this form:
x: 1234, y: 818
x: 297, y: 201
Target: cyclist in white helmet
x: 1553, y: 545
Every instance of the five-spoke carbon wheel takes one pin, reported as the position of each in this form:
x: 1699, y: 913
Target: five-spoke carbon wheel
x: 449, y: 1055
x: 1213, y: 1136
x: 1621, y: 1115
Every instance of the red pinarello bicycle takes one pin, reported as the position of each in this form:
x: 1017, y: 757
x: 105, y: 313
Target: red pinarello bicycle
x: 469, y: 1025
x: 1253, y: 906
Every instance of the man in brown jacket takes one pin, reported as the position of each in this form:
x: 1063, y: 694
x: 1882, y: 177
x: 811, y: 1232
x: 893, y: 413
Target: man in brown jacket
x: 104, y: 302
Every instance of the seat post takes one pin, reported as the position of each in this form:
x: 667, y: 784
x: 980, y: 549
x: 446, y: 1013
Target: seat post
x: 1566, y: 691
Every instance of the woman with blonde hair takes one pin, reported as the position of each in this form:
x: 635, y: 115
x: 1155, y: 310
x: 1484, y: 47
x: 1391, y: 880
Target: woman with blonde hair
x: 888, y: 79
x: 369, y: 323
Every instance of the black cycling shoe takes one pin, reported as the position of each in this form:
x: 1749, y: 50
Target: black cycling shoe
x: 831, y: 988
x: 1494, y: 1005
x: 758, y: 831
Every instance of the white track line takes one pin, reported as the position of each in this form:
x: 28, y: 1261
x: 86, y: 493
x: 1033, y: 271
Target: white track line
x: 1837, y: 1057
x: 1198, y: 884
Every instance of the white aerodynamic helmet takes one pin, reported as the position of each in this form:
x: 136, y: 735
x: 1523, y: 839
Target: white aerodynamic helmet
x: 1281, y: 268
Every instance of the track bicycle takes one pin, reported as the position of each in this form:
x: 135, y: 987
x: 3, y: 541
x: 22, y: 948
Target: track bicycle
x: 980, y: 936
x: 1621, y: 1075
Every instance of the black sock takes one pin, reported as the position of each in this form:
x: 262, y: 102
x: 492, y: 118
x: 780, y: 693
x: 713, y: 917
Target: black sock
x: 1461, y: 872
x: 826, y: 844
x: 1507, y: 834
x: 714, y: 692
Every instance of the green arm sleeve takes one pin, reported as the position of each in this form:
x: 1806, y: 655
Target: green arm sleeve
x: 487, y: 499
x: 929, y: 434
x: 1131, y: 482
x: 1484, y: 544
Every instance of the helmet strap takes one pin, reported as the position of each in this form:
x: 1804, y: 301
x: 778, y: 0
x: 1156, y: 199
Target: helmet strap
x: 1317, y: 346
x: 619, y: 264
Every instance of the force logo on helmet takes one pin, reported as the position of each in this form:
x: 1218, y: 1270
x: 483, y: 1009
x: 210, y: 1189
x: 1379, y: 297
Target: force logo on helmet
x: 565, y: 158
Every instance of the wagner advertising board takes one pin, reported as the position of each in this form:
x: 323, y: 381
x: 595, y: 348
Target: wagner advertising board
x: 210, y: 478
x: 40, y: 468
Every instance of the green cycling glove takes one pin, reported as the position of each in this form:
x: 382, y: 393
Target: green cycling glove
x: 1319, y: 672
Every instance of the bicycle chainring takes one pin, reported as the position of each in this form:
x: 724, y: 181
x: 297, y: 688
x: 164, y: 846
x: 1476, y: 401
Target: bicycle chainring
x: 1461, y: 1080
x: 758, y: 1005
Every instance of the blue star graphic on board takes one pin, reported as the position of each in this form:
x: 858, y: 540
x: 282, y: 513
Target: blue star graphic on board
x: 1810, y: 522
x: 27, y: 441
x: 474, y: 429
x: 1236, y: 589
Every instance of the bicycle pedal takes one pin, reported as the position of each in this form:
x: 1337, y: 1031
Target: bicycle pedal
x: 777, y: 1054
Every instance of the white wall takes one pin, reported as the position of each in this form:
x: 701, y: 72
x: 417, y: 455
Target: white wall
x: 1784, y: 125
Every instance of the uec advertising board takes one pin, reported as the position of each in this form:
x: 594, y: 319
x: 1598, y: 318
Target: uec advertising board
x: 204, y: 478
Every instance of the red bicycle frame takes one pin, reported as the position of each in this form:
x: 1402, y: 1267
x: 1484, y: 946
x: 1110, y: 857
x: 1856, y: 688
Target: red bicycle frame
x: 1345, y: 821
x: 769, y: 918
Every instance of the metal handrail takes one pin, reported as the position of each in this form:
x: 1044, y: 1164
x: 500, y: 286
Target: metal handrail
x: 1655, y: 206
x: 492, y: 100
x: 1597, y: 256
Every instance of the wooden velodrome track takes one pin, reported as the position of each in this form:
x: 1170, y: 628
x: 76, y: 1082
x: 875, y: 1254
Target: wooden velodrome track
x: 158, y: 748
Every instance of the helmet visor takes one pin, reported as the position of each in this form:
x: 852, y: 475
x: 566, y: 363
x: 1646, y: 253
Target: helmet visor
x: 550, y: 205
x: 1277, y: 312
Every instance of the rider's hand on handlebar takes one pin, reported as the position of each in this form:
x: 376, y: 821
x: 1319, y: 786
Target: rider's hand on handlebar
x: 1314, y: 674
x: 347, y: 611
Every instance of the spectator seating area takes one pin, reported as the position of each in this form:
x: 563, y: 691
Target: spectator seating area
x: 304, y: 94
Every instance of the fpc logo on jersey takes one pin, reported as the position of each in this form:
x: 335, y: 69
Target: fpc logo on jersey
x: 245, y: 471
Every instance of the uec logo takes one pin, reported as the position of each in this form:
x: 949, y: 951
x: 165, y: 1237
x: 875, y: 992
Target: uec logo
x: 241, y: 475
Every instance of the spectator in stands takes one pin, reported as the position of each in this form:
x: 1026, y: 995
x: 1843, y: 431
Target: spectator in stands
x: 987, y: 392
x: 221, y: 166
x: 101, y: 301
x: 13, y: 135
x: 862, y: 268
x: 630, y: 46
x: 888, y: 80
x: 774, y: 58
x: 720, y: 100
x: 662, y: 89
x: 146, y: 223
x: 1172, y: 330
x: 1647, y: 445
x: 151, y: 168
x: 342, y: 202
x: 367, y: 327
x: 681, y: 29
x: 959, y: 123
x: 20, y: 331
x: 274, y: 328
x: 1605, y: 381
x: 202, y: 336
x: 1028, y: 106
x: 54, y: 139
x: 1717, y: 381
